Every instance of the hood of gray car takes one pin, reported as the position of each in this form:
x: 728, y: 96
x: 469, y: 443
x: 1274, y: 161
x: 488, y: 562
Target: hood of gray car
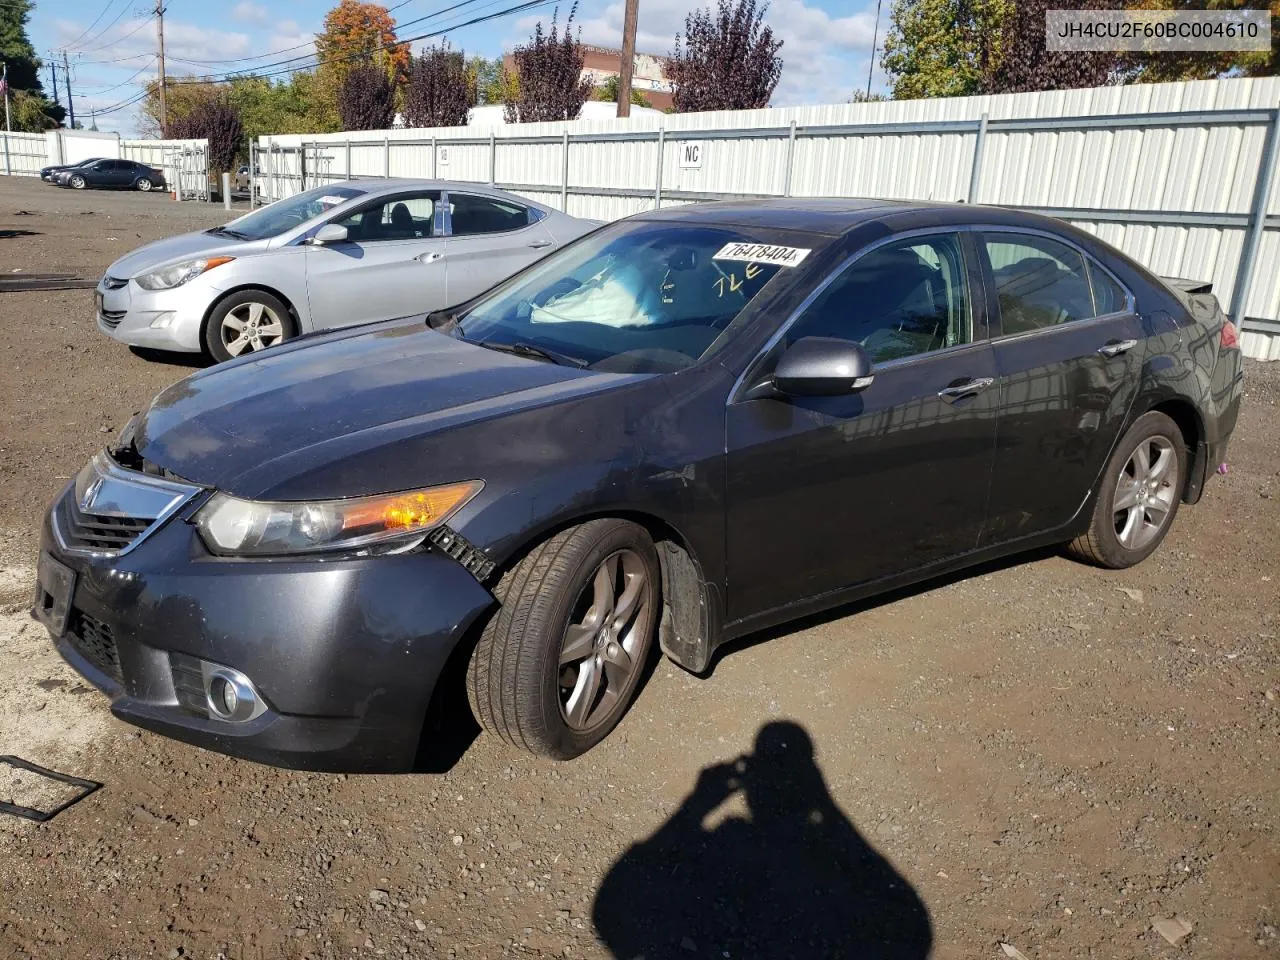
x: 184, y: 246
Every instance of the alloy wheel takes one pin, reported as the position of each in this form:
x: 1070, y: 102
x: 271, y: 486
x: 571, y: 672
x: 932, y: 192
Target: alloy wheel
x: 144, y: 185
x: 604, y: 641
x: 1145, y: 493
x: 250, y: 326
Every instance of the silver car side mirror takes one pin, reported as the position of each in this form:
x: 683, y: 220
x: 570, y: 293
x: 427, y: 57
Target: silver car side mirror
x: 329, y: 233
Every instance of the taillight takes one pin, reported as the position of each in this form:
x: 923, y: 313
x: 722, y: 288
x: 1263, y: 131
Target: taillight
x: 1229, y: 339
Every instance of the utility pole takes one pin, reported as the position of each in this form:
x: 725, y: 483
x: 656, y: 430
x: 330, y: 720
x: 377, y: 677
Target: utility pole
x: 628, y: 57
x: 53, y: 72
x: 66, y: 76
x: 164, y: 83
x: 875, y: 31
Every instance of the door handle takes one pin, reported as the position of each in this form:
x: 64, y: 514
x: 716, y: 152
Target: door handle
x: 969, y: 388
x: 1114, y: 348
x: 429, y: 257
x: 539, y: 244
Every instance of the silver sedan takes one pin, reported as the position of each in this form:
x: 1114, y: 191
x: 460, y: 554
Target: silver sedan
x: 346, y: 253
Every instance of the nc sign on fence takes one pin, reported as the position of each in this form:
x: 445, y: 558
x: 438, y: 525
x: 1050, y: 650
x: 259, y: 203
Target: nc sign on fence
x: 691, y: 156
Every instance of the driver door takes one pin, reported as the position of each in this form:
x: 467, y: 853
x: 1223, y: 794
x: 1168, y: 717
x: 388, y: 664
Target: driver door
x: 391, y: 264
x: 826, y: 493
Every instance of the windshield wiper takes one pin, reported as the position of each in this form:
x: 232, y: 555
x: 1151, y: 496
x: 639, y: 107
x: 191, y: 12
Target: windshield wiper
x: 224, y: 232
x: 521, y: 349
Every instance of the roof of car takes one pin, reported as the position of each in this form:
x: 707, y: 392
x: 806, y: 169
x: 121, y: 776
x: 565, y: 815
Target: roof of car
x: 832, y: 216
x: 388, y: 185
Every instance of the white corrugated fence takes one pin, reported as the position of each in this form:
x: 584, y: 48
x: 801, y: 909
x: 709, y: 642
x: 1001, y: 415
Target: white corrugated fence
x: 1169, y: 173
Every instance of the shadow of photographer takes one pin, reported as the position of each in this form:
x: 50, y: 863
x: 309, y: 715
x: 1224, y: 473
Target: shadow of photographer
x: 792, y: 878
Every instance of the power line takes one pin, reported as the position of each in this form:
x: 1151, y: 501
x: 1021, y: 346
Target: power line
x: 145, y: 67
x: 85, y: 46
x: 92, y: 25
x: 120, y: 39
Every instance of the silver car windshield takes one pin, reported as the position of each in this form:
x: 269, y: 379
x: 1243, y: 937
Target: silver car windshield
x: 632, y: 297
x: 284, y: 215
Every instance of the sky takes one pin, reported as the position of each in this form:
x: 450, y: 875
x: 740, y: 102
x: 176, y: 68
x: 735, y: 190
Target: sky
x: 111, y: 44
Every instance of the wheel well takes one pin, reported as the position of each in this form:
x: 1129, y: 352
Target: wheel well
x: 293, y: 311
x: 1184, y: 415
x: 685, y: 632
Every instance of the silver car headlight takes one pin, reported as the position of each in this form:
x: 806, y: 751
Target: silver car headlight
x: 175, y: 275
x: 251, y: 528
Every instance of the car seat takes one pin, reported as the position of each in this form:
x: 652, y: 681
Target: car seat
x: 402, y: 227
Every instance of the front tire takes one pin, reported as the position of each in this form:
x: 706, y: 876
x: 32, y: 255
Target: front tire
x: 246, y: 322
x: 1138, y: 495
x: 560, y: 662
x: 77, y: 182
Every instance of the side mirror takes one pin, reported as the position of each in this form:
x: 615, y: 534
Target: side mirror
x: 823, y: 367
x: 329, y: 233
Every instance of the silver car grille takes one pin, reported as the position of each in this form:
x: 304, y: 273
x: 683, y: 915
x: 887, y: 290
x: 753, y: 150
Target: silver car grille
x: 110, y: 509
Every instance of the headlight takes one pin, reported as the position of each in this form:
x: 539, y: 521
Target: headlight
x: 179, y: 273
x: 231, y: 526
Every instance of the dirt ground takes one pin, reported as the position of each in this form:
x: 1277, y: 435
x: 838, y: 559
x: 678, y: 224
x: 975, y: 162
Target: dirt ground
x: 1037, y: 754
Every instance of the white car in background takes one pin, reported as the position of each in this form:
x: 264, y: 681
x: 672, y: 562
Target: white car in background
x: 346, y: 253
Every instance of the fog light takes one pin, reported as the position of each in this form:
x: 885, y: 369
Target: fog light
x: 162, y: 320
x: 231, y: 695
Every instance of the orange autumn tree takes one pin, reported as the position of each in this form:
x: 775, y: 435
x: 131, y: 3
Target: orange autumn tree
x: 356, y: 33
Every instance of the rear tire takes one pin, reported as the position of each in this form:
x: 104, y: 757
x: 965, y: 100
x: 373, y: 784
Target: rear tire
x: 247, y: 322
x: 1138, y: 495
x: 143, y: 184
x: 560, y: 662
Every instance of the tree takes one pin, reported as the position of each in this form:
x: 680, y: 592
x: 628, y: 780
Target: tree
x: 608, y: 92
x: 38, y: 113
x: 182, y: 96
x: 441, y: 90
x: 727, y: 60
x: 1026, y: 65
x: 549, y: 68
x: 355, y: 35
x: 1158, y: 67
x: 487, y: 78
x: 366, y: 99
x: 944, y: 48
x: 267, y: 107
x: 214, y: 119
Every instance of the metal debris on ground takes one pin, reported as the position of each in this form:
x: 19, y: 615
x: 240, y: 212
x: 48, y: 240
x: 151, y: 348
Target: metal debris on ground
x: 44, y: 281
x: 42, y: 816
x: 1012, y: 952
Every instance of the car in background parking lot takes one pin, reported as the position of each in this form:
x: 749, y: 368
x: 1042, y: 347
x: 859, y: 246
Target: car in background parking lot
x: 685, y: 427
x: 337, y: 255
x: 111, y: 175
x: 50, y: 174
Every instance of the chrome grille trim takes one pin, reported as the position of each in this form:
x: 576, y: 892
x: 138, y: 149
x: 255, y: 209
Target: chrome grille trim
x: 113, y: 283
x: 110, y: 509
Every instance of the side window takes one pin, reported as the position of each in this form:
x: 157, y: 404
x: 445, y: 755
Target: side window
x: 1108, y: 296
x: 899, y: 300
x: 1039, y: 282
x: 471, y: 214
x: 409, y: 217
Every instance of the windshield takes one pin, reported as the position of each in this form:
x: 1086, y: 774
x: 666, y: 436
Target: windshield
x: 284, y: 215
x: 633, y: 297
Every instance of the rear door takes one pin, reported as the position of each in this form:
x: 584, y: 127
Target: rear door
x: 391, y: 265
x: 119, y: 173
x: 1069, y: 349
x: 831, y: 492
x: 490, y: 238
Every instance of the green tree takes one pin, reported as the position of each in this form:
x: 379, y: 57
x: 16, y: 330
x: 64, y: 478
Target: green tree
x: 269, y: 107
x: 486, y: 79
x: 608, y: 92
x: 944, y: 48
x: 1158, y: 67
x: 19, y: 55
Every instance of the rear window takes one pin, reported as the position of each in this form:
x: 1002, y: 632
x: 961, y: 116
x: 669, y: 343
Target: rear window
x: 635, y: 296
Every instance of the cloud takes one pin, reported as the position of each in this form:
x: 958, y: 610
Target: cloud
x: 135, y: 40
x: 822, y: 56
x: 248, y: 12
x: 288, y: 35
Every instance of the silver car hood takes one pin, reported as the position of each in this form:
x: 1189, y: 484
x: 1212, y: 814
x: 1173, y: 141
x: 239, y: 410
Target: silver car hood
x: 185, y: 246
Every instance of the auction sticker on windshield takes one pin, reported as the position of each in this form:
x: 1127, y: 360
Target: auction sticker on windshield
x: 332, y: 201
x: 763, y: 253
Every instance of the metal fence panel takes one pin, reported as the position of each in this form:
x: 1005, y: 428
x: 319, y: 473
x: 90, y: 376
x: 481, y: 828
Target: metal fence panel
x: 24, y: 154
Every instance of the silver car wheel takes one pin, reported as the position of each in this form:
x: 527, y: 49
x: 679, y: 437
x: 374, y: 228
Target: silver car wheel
x: 144, y: 184
x: 602, y: 647
x: 1145, y: 493
x: 250, y: 326
x: 77, y: 182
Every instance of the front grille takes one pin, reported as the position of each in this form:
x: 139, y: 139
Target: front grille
x: 92, y: 531
x: 114, y: 283
x: 188, y: 683
x: 111, y: 318
x: 95, y: 642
